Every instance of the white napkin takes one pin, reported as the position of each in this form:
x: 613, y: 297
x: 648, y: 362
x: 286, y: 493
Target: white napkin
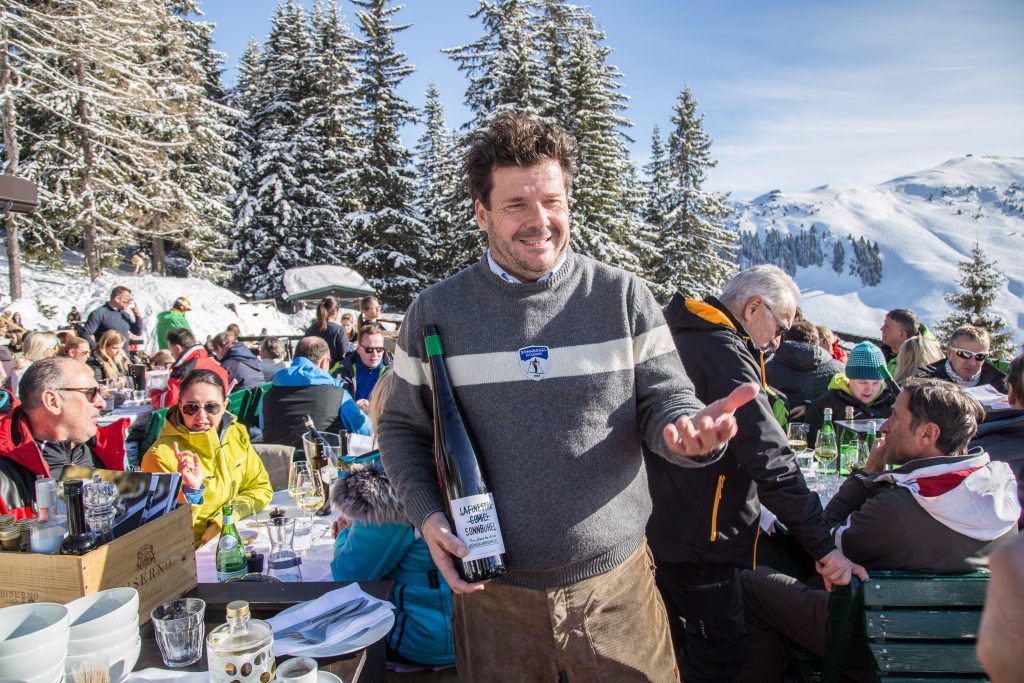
x: 161, y: 675
x: 339, y: 630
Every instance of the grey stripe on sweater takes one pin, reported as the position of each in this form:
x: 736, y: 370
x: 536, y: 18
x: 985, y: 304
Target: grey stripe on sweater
x: 562, y: 453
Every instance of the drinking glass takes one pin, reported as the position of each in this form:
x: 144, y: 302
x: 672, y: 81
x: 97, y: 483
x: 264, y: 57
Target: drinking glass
x: 824, y: 453
x: 297, y: 467
x: 797, y: 437
x: 308, y: 497
x: 283, y: 562
x: 862, y: 453
x: 242, y: 508
x: 179, y: 629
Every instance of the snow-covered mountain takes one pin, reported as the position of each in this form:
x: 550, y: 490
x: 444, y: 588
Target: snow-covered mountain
x: 924, y: 224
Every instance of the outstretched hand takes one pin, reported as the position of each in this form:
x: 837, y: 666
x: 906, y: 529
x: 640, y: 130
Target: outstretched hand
x: 711, y: 427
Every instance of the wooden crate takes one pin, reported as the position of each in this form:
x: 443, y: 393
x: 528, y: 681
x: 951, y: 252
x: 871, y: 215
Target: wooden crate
x: 158, y: 559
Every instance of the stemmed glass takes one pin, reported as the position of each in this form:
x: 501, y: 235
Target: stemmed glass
x: 797, y: 437
x: 296, y: 467
x: 308, y: 494
x: 824, y: 453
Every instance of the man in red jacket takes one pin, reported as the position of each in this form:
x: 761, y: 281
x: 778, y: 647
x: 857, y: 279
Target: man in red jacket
x: 54, y: 426
x: 189, y: 356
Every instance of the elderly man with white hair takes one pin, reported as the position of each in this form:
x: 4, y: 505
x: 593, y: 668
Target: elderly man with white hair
x: 704, y: 527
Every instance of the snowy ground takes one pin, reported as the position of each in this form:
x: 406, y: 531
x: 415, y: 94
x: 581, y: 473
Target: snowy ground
x: 213, y: 307
x: 925, y: 224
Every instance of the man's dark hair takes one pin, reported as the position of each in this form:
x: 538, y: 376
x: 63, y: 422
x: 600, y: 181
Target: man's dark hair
x: 1015, y: 378
x: 43, y: 375
x: 180, y: 336
x: 905, y: 318
x: 313, y: 348
x: 516, y: 139
x: 802, y: 331
x: 956, y: 412
x: 202, y: 377
x: 118, y: 291
x: 367, y: 330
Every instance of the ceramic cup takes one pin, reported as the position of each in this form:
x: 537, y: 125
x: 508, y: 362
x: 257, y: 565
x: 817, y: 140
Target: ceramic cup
x: 298, y: 670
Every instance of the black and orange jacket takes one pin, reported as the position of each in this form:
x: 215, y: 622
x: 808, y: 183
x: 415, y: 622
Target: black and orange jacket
x: 711, y: 514
x: 21, y: 461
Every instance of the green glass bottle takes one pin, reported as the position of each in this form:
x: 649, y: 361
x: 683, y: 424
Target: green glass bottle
x: 825, y: 443
x: 230, y: 560
x: 871, y: 436
x: 847, y: 442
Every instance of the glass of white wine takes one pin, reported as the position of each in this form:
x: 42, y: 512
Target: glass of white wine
x: 797, y: 437
x: 309, y: 496
x: 824, y: 453
x: 242, y: 508
x: 296, y: 467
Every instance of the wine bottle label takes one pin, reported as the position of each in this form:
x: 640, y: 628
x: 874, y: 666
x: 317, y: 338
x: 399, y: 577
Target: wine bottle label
x: 476, y: 525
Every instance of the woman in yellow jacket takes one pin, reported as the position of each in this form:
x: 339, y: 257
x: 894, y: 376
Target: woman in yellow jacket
x: 212, y: 452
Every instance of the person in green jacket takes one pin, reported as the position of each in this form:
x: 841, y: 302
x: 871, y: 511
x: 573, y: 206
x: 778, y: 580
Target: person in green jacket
x: 172, y: 318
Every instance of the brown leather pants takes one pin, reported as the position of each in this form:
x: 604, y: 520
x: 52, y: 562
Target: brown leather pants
x: 611, y: 627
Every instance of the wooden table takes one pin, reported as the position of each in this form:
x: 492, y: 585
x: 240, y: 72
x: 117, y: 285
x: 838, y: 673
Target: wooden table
x: 267, y: 599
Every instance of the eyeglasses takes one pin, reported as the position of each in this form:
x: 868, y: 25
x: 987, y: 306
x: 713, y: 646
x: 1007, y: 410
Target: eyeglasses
x: 781, y: 328
x: 965, y: 354
x: 211, y: 408
x: 90, y: 393
x: 372, y: 349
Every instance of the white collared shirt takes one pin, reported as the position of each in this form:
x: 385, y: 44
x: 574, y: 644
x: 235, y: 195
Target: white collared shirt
x: 504, y: 274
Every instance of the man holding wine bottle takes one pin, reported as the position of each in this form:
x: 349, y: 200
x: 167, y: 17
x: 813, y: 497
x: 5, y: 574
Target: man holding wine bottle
x: 556, y: 368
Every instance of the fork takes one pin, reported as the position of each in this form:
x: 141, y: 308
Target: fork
x: 326, y: 617
x: 315, y: 635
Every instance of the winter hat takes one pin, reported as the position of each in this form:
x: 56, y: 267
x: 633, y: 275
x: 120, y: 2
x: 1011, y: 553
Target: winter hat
x: 864, y: 361
x: 182, y: 304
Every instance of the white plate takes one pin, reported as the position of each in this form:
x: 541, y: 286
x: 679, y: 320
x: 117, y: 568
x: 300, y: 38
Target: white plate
x: 326, y: 677
x: 345, y: 646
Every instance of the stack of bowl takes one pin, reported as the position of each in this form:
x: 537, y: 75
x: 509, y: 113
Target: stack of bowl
x: 33, y: 642
x: 10, y: 534
x: 104, y: 632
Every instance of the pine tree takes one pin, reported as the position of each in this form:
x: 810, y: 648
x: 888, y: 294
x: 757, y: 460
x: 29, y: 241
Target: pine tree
x: 389, y: 235
x: 977, y: 289
x: 501, y: 66
x: 659, y: 182
x: 698, y: 249
x: 838, y: 256
x: 281, y: 201
x: 246, y: 97
x: 443, y: 201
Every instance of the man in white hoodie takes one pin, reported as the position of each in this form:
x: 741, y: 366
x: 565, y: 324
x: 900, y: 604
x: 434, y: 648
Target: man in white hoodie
x: 942, y: 510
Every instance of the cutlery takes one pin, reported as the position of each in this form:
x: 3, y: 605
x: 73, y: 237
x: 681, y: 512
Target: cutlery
x: 316, y: 635
x: 328, y: 616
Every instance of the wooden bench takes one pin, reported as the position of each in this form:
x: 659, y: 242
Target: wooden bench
x: 904, y: 626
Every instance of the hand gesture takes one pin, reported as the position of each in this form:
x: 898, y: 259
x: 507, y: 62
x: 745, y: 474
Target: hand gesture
x: 712, y: 426
x: 340, y: 522
x: 443, y: 544
x: 876, y: 459
x: 189, y: 467
x: 212, y: 531
x: 836, y: 570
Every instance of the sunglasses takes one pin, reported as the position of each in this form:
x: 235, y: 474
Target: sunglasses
x: 965, y: 354
x: 373, y: 349
x: 90, y: 393
x: 211, y: 408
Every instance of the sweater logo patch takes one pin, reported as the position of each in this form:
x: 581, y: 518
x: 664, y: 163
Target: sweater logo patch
x: 533, y: 360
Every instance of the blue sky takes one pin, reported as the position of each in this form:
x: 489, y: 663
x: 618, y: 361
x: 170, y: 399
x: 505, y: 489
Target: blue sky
x: 796, y: 94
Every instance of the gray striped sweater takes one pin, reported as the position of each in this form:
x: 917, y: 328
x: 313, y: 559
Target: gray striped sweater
x: 560, y: 438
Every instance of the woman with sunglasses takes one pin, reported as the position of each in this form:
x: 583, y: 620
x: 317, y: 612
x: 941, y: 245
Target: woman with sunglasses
x: 211, y: 451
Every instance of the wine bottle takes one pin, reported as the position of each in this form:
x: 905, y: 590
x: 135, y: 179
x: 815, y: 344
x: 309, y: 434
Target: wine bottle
x: 320, y: 465
x: 890, y: 383
x: 847, y: 441
x: 471, y: 510
x: 230, y: 560
x: 79, y: 540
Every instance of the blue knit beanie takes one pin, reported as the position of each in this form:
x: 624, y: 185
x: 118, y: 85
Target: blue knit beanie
x: 864, y: 361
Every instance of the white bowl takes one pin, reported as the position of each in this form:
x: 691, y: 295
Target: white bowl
x: 51, y: 675
x: 124, y: 634
x: 27, y: 663
x: 99, y: 613
x: 120, y: 661
x: 26, y: 627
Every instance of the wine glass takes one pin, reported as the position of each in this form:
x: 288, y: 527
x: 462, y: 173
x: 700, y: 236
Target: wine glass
x: 824, y: 453
x: 797, y: 437
x: 309, y: 494
x: 297, y: 467
x: 242, y: 508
